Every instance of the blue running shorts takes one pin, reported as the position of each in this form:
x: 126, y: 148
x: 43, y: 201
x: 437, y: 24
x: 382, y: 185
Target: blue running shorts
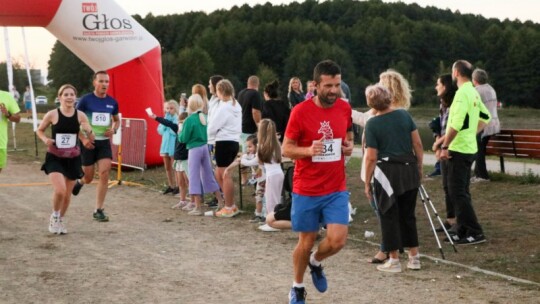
x: 308, y: 213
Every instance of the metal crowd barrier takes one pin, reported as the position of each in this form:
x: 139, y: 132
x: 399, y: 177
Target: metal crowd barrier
x: 133, y: 144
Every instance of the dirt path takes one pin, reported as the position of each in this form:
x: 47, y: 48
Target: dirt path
x: 149, y: 253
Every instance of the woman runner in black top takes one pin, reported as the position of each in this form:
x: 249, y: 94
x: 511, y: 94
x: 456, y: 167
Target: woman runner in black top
x: 62, y: 162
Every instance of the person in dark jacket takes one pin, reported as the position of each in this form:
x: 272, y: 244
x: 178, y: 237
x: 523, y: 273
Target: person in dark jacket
x: 275, y: 109
x: 295, y: 94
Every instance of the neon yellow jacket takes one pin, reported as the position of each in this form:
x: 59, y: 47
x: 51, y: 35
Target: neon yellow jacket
x: 465, y: 112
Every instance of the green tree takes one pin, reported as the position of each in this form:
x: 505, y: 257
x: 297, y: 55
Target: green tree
x: 364, y: 37
x: 65, y: 67
x: 193, y: 65
x: 266, y: 75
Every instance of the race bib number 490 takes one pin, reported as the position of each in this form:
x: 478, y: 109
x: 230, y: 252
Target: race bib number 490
x: 331, y: 151
x: 101, y: 119
x: 65, y: 140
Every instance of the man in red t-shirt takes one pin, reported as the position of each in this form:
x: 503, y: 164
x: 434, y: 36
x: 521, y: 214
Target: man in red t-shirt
x: 319, y: 136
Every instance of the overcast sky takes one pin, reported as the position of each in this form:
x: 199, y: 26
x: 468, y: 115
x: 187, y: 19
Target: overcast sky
x: 40, y: 42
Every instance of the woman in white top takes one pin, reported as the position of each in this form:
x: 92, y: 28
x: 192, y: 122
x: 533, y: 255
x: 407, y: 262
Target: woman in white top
x: 212, y: 103
x: 226, y: 131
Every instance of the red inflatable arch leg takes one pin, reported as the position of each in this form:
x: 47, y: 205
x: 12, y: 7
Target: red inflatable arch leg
x: 106, y: 38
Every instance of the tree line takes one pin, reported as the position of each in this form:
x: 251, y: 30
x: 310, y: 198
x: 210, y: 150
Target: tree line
x: 365, y: 38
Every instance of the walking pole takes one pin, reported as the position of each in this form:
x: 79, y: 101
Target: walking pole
x: 423, y: 198
x: 438, y: 217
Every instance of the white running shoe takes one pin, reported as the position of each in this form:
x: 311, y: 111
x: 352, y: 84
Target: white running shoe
x: 414, y: 263
x: 390, y: 266
x: 54, y: 224
x: 189, y: 207
x: 180, y: 205
x: 267, y: 228
x: 62, y: 226
x: 196, y: 212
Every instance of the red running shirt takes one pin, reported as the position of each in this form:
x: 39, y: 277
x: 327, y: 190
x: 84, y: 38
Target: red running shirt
x: 308, y: 122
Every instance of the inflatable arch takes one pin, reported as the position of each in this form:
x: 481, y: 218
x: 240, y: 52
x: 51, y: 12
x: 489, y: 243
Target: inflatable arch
x: 104, y: 37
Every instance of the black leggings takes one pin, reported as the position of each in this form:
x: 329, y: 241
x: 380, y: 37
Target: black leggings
x: 398, y: 224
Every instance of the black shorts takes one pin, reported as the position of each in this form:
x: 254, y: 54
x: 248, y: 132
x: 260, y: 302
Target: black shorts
x: 282, y: 212
x: 102, y: 149
x: 226, y: 152
x: 68, y: 167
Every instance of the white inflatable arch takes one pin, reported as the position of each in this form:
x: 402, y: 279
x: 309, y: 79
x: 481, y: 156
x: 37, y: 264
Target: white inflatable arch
x: 104, y: 37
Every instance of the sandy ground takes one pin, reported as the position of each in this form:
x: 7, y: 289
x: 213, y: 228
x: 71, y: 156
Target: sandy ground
x: 149, y: 253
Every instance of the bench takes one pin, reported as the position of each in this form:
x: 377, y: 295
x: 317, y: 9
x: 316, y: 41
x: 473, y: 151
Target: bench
x: 514, y: 143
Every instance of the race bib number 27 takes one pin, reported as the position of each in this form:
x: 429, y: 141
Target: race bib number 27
x: 331, y: 151
x: 65, y: 141
x: 101, y: 119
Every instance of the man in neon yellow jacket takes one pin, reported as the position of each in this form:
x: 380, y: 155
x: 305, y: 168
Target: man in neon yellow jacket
x: 9, y: 111
x: 467, y: 117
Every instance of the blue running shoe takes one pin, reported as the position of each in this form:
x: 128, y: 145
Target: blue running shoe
x: 318, y: 277
x: 297, y: 295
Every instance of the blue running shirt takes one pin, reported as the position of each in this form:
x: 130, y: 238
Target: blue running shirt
x: 99, y: 112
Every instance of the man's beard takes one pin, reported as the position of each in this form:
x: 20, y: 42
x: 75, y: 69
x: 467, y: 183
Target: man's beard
x: 328, y: 101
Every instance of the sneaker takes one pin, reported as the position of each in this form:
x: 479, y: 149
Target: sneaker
x: 62, y: 226
x: 453, y: 230
x: 414, y: 263
x: 77, y: 188
x: 475, y: 179
x: 267, y: 228
x: 394, y: 267
x: 318, y: 277
x: 257, y: 219
x: 54, y: 224
x: 447, y: 226
x: 454, y: 237
x: 189, y: 207
x: 100, y: 216
x: 168, y: 190
x: 228, y: 212
x: 176, y: 191
x: 471, y: 240
x: 209, y: 213
x: 180, y: 205
x: 297, y: 295
x: 196, y: 211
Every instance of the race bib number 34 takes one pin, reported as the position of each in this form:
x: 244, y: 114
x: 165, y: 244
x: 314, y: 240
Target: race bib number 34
x: 101, y: 119
x: 331, y: 151
x: 65, y: 140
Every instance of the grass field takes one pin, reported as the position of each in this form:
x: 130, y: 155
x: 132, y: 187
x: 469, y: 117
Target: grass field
x: 507, y: 207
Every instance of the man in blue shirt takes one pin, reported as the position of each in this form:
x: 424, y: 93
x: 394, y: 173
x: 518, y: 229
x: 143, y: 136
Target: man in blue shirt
x: 102, y: 112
